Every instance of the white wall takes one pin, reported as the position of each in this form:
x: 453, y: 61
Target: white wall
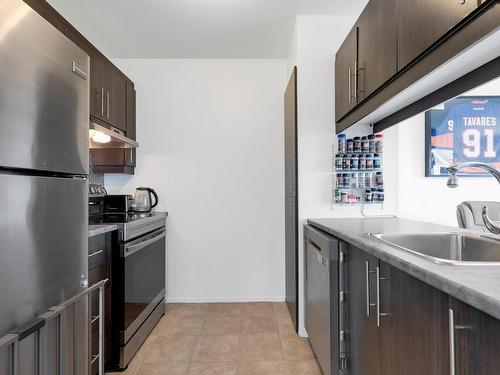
x: 211, y: 144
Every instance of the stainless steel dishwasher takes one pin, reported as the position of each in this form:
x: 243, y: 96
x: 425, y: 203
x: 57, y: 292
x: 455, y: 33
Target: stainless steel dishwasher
x: 324, y: 296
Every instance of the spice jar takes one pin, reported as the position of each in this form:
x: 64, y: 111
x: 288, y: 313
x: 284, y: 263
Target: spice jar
x: 375, y: 195
x: 338, y: 162
x: 379, y: 179
x: 361, y: 180
x: 371, y: 143
x: 368, y: 195
x: 343, y: 197
x: 365, y: 144
x: 341, y: 143
x: 368, y: 179
x: 369, y: 161
x: 346, y: 162
x: 379, y: 143
x: 377, y: 161
x: 354, y: 181
x: 381, y: 194
x: 362, y: 162
x: 338, y: 196
x: 357, y: 144
x: 346, y: 180
x: 339, y: 180
x: 350, y: 145
x: 354, y: 162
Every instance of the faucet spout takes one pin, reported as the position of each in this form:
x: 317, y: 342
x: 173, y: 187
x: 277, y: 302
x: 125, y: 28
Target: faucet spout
x: 453, y: 170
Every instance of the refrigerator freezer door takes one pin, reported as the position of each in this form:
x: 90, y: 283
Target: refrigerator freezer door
x: 44, y: 94
x: 44, y: 240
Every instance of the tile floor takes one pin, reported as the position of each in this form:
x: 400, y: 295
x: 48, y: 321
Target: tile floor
x: 225, y: 339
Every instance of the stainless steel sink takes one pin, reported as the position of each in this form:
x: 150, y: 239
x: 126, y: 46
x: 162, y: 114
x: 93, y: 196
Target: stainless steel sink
x: 465, y: 249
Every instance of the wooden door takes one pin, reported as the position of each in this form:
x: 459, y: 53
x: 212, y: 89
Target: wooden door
x: 291, y: 207
x: 345, y: 64
x: 117, y: 96
x: 414, y: 333
x: 363, y: 339
x: 377, y: 43
x: 422, y: 22
x: 477, y: 340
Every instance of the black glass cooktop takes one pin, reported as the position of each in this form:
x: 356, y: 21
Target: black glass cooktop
x: 118, y: 218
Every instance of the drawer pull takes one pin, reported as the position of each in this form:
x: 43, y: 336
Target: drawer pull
x: 94, y: 319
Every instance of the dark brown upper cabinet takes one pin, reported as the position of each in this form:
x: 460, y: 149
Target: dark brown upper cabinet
x: 377, y: 41
x: 395, y: 43
x: 423, y: 22
x: 360, y: 67
x: 345, y: 66
x: 108, y: 85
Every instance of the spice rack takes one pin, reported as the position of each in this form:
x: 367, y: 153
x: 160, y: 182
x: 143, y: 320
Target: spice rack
x: 358, y: 174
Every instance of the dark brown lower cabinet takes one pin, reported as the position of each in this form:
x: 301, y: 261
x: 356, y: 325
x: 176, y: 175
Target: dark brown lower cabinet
x: 413, y: 325
x: 398, y: 325
x: 100, y: 249
x: 476, y: 339
x: 363, y: 335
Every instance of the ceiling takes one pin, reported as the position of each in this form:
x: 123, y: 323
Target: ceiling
x: 194, y: 28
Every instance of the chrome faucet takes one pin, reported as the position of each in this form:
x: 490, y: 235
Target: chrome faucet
x: 453, y: 183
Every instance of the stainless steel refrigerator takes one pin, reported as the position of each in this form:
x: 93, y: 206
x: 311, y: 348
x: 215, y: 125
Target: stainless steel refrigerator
x: 44, y: 119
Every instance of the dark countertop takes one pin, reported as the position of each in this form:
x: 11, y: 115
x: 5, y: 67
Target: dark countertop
x: 479, y: 286
x: 95, y: 230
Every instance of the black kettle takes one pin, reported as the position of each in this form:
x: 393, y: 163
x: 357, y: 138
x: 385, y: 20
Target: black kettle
x: 143, y: 199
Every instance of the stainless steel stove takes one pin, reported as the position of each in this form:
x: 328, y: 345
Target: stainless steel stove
x: 138, y: 276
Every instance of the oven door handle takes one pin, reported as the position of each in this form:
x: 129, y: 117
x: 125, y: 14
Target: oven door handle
x: 129, y: 250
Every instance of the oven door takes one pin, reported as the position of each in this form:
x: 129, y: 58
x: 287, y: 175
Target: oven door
x: 144, y: 279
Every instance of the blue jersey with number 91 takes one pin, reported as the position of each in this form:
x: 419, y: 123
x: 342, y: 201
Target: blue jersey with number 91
x: 475, y: 125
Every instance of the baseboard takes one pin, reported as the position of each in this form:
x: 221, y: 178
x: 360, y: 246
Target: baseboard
x: 224, y: 299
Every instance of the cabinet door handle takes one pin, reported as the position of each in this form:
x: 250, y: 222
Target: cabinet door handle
x: 349, y: 75
x: 451, y: 315
x: 367, y: 275
x: 102, y: 101
x: 107, y: 103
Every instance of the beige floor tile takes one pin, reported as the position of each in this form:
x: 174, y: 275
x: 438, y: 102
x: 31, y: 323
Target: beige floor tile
x: 280, y: 308
x: 216, y: 348
x: 184, y: 325
x: 309, y: 367
x: 213, y: 368
x: 253, y: 324
x: 254, y: 308
x: 226, y: 309
x: 296, y: 348
x: 163, y: 368
x: 220, y: 325
x: 263, y: 368
x: 170, y: 349
x: 285, y: 326
x: 260, y: 347
x: 191, y: 309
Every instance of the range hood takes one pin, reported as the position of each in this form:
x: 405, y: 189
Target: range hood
x: 103, y: 137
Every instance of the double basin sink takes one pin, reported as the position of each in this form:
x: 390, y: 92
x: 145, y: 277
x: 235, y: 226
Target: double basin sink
x: 461, y: 249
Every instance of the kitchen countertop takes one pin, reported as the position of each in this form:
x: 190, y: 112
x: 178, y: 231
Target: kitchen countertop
x: 95, y: 230
x: 479, y: 286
